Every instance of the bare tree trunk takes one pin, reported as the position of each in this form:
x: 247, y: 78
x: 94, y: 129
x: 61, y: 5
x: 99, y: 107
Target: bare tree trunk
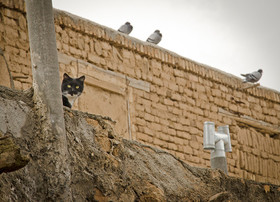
x: 48, y: 99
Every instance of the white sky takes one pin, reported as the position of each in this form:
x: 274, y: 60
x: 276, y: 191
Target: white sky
x: 235, y: 36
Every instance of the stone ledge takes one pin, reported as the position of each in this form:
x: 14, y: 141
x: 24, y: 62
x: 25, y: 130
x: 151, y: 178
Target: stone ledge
x: 272, y: 130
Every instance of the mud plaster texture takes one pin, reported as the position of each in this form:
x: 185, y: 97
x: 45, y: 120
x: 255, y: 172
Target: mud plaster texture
x: 105, y: 167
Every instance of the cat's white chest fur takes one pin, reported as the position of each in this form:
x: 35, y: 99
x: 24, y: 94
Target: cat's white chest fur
x: 71, y: 98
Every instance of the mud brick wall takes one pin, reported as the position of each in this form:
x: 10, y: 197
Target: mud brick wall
x: 156, y: 96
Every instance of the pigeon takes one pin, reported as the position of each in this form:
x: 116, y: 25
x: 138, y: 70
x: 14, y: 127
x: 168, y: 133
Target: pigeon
x: 155, y: 37
x: 252, y: 77
x: 126, y: 28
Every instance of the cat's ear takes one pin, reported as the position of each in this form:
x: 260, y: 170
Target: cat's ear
x: 82, y: 78
x: 65, y: 76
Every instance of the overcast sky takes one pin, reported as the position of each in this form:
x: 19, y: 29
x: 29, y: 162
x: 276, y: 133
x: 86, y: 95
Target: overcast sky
x: 235, y: 36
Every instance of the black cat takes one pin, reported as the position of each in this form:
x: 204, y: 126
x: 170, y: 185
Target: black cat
x: 71, y: 89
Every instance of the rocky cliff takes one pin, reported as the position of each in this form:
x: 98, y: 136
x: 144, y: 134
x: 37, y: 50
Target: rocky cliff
x: 103, y: 166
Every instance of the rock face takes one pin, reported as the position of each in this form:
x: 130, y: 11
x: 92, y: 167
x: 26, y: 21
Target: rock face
x: 11, y: 158
x: 104, y: 167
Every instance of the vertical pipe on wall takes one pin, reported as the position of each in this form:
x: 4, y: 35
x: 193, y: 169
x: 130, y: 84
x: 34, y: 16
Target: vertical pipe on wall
x: 219, y: 143
x: 128, y: 119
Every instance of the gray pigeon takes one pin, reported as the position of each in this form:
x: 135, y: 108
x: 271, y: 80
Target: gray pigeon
x: 252, y: 77
x: 126, y: 28
x: 155, y: 37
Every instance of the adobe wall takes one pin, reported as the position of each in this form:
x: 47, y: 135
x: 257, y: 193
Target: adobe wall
x: 156, y: 96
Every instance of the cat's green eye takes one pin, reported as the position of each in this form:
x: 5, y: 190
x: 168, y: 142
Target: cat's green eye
x: 77, y: 87
x: 68, y: 86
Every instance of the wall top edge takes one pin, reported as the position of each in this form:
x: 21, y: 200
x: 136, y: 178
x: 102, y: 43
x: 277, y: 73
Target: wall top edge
x: 153, y: 51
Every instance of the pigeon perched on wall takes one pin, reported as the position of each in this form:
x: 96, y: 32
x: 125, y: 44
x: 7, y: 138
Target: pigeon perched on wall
x: 126, y: 28
x: 155, y: 37
x: 252, y: 77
